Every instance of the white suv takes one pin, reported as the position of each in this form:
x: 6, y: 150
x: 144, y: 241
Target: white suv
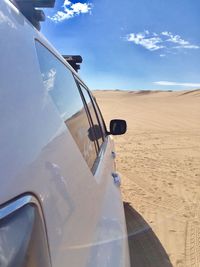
x: 60, y: 203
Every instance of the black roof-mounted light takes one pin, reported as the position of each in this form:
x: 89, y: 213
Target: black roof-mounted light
x: 29, y: 8
x: 74, y: 61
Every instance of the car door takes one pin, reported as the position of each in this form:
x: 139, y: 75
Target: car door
x: 111, y: 247
x: 91, y: 217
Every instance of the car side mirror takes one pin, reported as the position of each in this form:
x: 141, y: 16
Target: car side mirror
x: 117, y: 127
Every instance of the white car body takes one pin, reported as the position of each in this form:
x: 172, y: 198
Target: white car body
x: 82, y: 210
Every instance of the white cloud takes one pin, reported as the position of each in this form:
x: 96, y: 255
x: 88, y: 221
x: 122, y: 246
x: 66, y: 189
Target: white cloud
x: 71, y: 10
x: 165, y: 33
x: 80, y: 8
x: 155, y: 34
x: 150, y: 43
x: 60, y: 16
x: 157, y: 41
x: 178, y: 40
x: 167, y: 83
x: 67, y: 3
x: 189, y: 46
x: 49, y: 79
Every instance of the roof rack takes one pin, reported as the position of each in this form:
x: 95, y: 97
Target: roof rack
x: 74, y: 61
x: 29, y: 8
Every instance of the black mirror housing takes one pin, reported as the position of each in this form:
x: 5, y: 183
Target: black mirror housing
x: 117, y: 127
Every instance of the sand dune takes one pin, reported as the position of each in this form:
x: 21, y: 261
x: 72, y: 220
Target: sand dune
x: 159, y: 159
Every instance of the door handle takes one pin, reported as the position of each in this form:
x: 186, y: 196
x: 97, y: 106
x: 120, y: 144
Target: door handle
x: 113, y: 154
x: 116, y: 178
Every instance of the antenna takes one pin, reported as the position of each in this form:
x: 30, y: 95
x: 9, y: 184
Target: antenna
x: 29, y: 8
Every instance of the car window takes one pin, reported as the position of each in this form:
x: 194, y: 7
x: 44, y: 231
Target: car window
x: 98, y: 133
x: 60, y: 85
x: 99, y: 115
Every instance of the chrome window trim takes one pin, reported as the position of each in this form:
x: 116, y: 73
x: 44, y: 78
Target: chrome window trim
x: 14, y: 205
x: 19, y: 202
x: 100, y: 156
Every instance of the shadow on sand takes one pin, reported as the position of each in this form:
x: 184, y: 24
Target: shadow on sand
x: 145, y: 248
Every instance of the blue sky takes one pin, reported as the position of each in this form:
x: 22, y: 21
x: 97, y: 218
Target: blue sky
x: 131, y: 44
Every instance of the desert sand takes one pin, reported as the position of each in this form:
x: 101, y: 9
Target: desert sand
x: 159, y: 161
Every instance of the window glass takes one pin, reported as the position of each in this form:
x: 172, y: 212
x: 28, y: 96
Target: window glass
x: 59, y: 83
x: 97, y: 130
x: 101, y: 121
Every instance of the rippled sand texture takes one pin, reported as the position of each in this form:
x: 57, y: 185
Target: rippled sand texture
x: 159, y: 159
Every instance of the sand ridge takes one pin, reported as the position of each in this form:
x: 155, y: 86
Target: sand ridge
x: 159, y: 161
